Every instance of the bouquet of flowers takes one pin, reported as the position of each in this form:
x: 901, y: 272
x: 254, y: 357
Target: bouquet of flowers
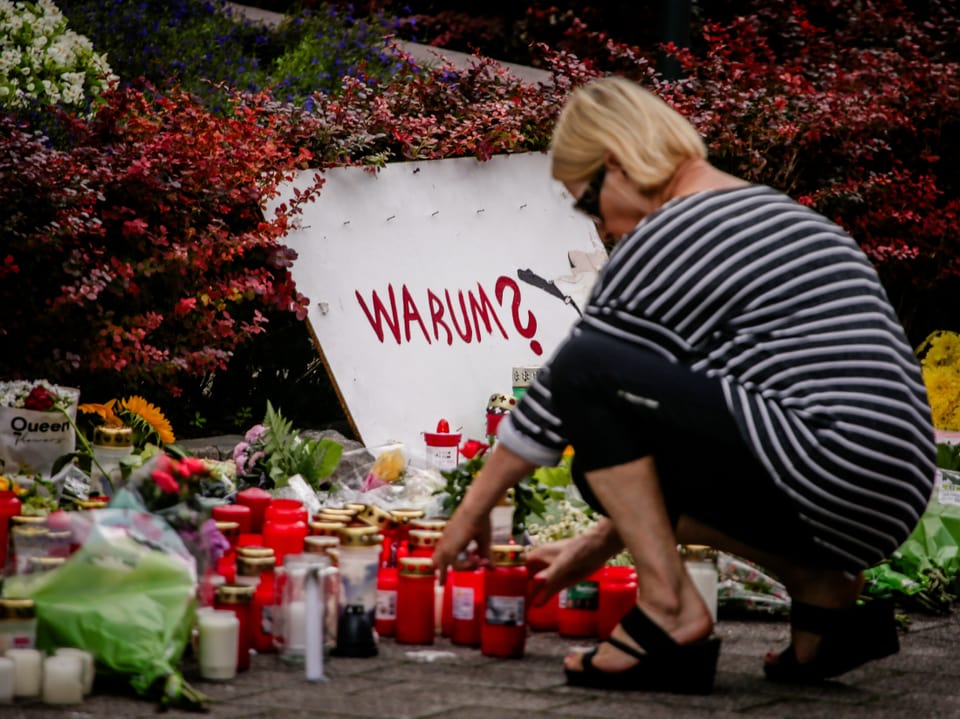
x: 148, y: 423
x: 273, y: 452
x: 182, y: 490
x: 36, y: 425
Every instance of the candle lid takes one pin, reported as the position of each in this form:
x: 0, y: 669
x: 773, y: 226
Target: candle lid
x: 416, y: 567
x: 405, y: 515
x: 359, y: 536
x: 356, y: 506
x: 339, y: 510
x: 697, y: 553
x: 235, y: 593
x: 508, y: 555
x: 28, y: 519
x: 42, y: 564
x: 433, y: 525
x: 225, y: 526
x: 326, y: 528
x: 424, y: 538
x: 254, y: 566
x: 33, y: 531
x: 377, y: 517
x: 17, y: 608
x: 249, y: 551
x: 107, y: 436
x: 319, y: 543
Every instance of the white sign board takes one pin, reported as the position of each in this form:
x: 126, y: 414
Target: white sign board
x: 430, y: 281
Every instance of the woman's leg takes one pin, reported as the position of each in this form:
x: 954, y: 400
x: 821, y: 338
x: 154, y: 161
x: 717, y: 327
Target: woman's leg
x: 631, y: 494
x: 829, y: 588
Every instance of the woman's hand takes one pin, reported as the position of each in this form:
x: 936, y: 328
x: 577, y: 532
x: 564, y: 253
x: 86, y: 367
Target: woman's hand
x: 562, y: 564
x: 470, y: 523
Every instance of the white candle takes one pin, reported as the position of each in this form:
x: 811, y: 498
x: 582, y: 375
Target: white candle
x: 295, y: 629
x: 89, y: 669
x: 27, y: 671
x: 438, y: 606
x: 218, y: 640
x: 63, y: 679
x: 7, y: 680
x: 704, y: 576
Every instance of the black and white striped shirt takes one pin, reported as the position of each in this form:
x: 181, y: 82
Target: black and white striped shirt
x: 783, y: 307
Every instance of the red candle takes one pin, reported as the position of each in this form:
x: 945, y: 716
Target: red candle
x: 238, y: 598
x: 466, y: 606
x: 618, y: 593
x: 415, y: 622
x: 258, y: 500
x: 503, y: 632
x: 239, y: 513
x: 541, y: 618
x: 9, y: 507
x: 577, y: 613
x: 286, y: 510
x: 386, y: 616
x: 284, y: 538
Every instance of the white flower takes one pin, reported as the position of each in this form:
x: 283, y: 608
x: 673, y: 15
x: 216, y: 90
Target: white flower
x: 61, y: 65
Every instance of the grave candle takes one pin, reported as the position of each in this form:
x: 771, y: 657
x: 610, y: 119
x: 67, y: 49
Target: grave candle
x: 239, y: 513
x: 27, y: 671
x: 86, y: 659
x: 258, y: 500
x: 218, y: 643
x: 6, y: 680
x: 62, y: 679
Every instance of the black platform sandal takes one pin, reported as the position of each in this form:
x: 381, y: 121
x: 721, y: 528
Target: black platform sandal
x: 663, y: 666
x: 851, y: 637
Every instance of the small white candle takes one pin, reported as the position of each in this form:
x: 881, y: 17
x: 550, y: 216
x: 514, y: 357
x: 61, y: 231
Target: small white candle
x: 295, y: 629
x: 27, y: 671
x: 63, y: 679
x: 89, y: 669
x: 218, y: 640
x: 7, y: 680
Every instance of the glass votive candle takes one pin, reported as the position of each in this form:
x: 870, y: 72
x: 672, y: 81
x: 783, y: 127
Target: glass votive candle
x: 326, y: 529
x: 218, y: 643
x: 27, y: 671
x: 89, y: 667
x: 62, y: 679
x: 18, y: 623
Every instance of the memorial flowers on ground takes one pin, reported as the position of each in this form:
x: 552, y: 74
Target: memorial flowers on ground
x: 940, y: 361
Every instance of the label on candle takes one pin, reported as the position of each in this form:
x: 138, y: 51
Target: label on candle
x: 583, y: 595
x: 506, y: 611
x: 386, y: 604
x: 463, y: 603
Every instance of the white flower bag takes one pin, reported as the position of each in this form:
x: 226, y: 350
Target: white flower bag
x: 31, y: 440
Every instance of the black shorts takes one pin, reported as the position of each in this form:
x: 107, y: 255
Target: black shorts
x: 620, y: 402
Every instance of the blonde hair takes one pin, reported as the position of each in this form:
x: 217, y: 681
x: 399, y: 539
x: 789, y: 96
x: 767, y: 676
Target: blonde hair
x: 612, y: 114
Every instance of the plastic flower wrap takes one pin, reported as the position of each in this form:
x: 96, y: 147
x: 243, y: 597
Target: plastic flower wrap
x: 127, y: 596
x: 388, y: 467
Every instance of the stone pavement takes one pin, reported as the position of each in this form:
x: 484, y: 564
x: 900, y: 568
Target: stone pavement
x: 444, y: 681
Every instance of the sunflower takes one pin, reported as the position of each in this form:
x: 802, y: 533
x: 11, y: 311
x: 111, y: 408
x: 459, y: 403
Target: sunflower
x: 148, y: 417
x: 104, y: 411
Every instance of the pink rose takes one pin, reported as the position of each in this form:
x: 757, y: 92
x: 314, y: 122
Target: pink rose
x: 165, y: 481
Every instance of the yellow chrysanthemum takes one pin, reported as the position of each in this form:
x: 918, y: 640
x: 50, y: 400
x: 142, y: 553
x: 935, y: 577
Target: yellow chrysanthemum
x: 150, y: 415
x: 941, y: 349
x: 943, y: 391
x: 105, y: 411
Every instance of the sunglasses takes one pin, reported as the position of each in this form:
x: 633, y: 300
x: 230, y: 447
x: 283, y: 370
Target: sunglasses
x: 589, y: 202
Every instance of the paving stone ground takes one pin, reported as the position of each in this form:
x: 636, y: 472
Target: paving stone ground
x: 444, y: 681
